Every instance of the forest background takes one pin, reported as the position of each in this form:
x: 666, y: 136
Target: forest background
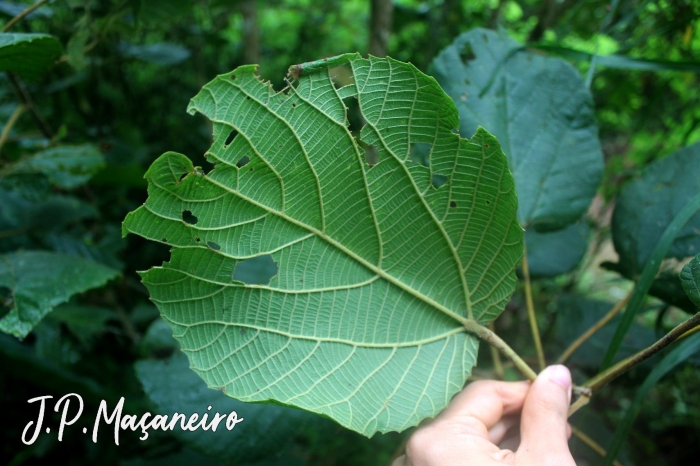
x: 114, y: 98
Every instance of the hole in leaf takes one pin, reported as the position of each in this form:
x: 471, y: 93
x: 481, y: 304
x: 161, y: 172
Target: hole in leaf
x: 453, y: 204
x: 466, y: 53
x: 233, y: 77
x: 439, y: 180
x: 182, y: 177
x: 488, y: 202
x: 214, y: 246
x: 486, y: 146
x: 420, y: 153
x: 294, y: 105
x: 256, y: 271
x: 230, y: 137
x: 243, y: 161
x: 371, y: 155
x: 247, y: 98
x: 197, y: 239
x: 189, y: 218
x: 165, y: 240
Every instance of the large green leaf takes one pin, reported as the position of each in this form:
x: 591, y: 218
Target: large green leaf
x: 378, y: 269
x: 690, y: 278
x: 40, y: 280
x: 28, y: 55
x: 542, y: 113
x: 65, y: 166
x: 649, y: 202
x: 556, y: 252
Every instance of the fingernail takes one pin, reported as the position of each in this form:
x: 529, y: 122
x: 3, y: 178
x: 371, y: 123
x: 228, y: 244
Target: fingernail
x: 561, y: 376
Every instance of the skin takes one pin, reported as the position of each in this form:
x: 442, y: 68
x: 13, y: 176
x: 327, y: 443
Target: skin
x: 475, y: 429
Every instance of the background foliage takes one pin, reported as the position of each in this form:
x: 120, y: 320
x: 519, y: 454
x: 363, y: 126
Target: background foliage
x: 106, y: 94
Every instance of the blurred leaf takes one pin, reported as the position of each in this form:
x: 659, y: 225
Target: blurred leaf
x: 558, y: 252
x: 158, y: 339
x: 28, y: 55
x: 75, y: 49
x: 649, y: 202
x: 65, y: 166
x: 17, y: 213
x: 158, y: 54
x: 674, y: 356
x: 40, y: 281
x: 542, y: 114
x: 266, y: 429
x: 84, y: 322
x: 377, y: 267
x: 668, y: 288
x: 620, y: 61
x: 690, y: 278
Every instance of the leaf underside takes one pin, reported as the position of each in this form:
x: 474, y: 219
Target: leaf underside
x: 28, y: 55
x: 690, y: 279
x: 377, y: 268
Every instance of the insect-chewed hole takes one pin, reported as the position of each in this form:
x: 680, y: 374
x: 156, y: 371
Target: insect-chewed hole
x: 438, y: 180
x: 371, y: 155
x: 230, y: 137
x: 189, y: 218
x: 453, y: 204
x: 197, y: 239
x: 233, y: 77
x: 214, y: 246
x: 243, y: 161
x: 182, y: 177
x: 466, y: 53
x: 255, y: 271
x: 420, y: 153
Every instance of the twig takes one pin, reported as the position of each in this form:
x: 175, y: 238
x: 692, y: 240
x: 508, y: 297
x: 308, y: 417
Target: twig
x: 10, y: 123
x: 14, y: 20
x: 592, y: 444
x: 600, y: 380
x: 597, y: 326
x: 531, y: 311
x: 29, y: 103
x: 496, y: 358
x: 483, y: 333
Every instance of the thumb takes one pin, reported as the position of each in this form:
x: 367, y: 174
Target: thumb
x: 543, y: 427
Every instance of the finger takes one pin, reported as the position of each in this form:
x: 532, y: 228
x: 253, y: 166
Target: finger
x: 543, y: 427
x: 483, y: 403
x: 501, y: 428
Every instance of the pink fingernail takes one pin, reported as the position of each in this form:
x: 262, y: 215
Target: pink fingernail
x: 560, y: 375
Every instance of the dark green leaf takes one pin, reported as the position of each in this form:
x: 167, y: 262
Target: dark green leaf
x: 65, y: 166
x: 647, y: 205
x: 28, y: 55
x: 158, y: 54
x: 554, y: 253
x: 40, y: 281
x: 690, y: 278
x: 540, y: 111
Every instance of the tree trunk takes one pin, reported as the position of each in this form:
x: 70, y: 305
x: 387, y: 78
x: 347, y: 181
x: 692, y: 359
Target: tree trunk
x: 251, y: 33
x: 380, y: 27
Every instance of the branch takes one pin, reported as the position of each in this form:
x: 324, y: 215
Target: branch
x: 597, y: 326
x: 17, y: 18
x: 686, y: 328
x: 531, y: 311
x: 29, y: 103
x: 10, y: 123
x: 483, y: 333
x: 592, y: 444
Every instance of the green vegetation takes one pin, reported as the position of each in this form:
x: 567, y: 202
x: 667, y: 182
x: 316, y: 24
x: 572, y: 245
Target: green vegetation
x: 328, y: 242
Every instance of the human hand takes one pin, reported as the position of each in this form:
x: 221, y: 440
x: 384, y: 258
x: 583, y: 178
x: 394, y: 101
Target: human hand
x: 469, y: 430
